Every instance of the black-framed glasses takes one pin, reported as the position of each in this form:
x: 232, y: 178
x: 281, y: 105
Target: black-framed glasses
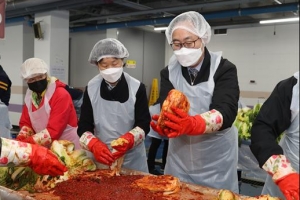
x: 188, y: 44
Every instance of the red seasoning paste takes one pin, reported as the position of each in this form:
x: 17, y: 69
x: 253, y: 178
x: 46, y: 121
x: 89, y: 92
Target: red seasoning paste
x: 104, y: 188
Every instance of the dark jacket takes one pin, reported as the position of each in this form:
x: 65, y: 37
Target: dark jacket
x: 226, y: 92
x: 5, y: 85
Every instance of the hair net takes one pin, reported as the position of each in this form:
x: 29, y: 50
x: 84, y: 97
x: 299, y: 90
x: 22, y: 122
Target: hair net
x: 32, y: 67
x: 108, y: 47
x: 193, y: 22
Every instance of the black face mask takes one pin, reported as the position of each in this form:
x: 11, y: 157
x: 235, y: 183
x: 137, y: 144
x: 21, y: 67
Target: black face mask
x: 38, y: 86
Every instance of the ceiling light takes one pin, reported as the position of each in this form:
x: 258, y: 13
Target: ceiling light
x: 160, y: 28
x: 279, y: 20
x: 277, y: 1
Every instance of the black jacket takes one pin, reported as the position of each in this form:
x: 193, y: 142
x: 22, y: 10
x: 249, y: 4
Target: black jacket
x: 273, y: 118
x: 5, y: 85
x: 119, y: 93
x: 226, y: 92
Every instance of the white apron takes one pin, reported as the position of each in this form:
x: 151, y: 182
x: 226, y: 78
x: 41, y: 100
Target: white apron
x: 39, y: 118
x: 289, y: 143
x: 208, y: 160
x: 112, y: 119
x: 155, y: 110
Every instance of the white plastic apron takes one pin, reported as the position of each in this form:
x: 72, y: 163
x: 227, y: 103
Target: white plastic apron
x: 39, y: 118
x: 112, y: 119
x: 289, y: 143
x: 208, y: 160
x: 155, y: 110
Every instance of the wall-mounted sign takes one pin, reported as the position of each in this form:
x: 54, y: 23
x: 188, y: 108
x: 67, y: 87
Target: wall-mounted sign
x: 130, y: 63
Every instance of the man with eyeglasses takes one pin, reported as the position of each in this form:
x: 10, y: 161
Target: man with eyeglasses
x: 48, y: 113
x: 203, y: 144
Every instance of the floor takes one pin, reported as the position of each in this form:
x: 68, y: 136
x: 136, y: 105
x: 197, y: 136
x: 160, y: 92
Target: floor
x: 247, y: 187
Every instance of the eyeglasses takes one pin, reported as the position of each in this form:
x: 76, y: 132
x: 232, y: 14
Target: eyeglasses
x: 37, y: 78
x: 188, y: 44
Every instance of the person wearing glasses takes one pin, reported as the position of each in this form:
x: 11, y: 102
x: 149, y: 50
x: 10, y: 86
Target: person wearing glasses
x: 48, y: 113
x: 203, y: 144
x: 115, y: 106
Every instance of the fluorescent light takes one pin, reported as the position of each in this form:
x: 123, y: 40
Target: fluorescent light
x: 160, y: 28
x: 277, y: 1
x: 279, y: 20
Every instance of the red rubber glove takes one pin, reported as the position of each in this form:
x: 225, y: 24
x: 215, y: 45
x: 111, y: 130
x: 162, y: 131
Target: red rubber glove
x: 181, y: 123
x: 101, y: 152
x: 44, y: 162
x: 156, y: 128
x: 123, y: 147
x: 24, y: 133
x: 289, y: 186
x: 127, y: 141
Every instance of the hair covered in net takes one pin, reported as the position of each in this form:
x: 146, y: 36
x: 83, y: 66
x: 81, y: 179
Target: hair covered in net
x: 193, y: 22
x: 108, y: 47
x: 32, y: 67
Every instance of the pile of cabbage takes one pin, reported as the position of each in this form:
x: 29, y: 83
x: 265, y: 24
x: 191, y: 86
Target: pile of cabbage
x: 244, y: 120
x: 24, y: 178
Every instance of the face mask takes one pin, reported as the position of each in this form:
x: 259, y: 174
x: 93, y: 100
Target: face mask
x: 188, y: 57
x: 112, y: 74
x: 38, y: 86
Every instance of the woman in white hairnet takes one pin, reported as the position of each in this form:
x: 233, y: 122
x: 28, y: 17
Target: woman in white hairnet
x: 48, y: 113
x: 114, y: 106
x: 280, y: 113
x: 203, y: 144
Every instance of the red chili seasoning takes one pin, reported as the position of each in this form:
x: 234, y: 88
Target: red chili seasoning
x: 104, y: 188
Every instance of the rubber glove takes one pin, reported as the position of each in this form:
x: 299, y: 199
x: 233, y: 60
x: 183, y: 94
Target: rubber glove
x: 127, y: 141
x: 156, y: 127
x: 101, y: 152
x: 39, y: 158
x: 181, y: 123
x: 42, y: 138
x: 289, y: 186
x: 24, y: 133
x: 44, y: 162
x: 283, y: 174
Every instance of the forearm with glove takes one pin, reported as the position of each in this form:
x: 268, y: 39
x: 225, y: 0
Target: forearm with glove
x: 39, y: 158
x: 24, y: 133
x: 42, y: 138
x: 283, y: 174
x: 100, y: 150
x: 128, y: 141
x: 181, y: 123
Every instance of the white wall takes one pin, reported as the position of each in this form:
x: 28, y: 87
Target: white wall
x: 81, y: 45
x: 14, y: 49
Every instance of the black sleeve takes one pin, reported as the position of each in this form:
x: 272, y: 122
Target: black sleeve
x: 274, y: 118
x: 226, y: 93
x: 165, y: 85
x: 142, y: 114
x: 5, y: 90
x: 86, y: 120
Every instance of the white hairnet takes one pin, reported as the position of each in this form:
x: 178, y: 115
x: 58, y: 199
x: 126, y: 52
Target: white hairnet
x: 32, y: 67
x: 108, y: 47
x: 193, y: 22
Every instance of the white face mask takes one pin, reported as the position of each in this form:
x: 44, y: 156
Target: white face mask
x: 188, y: 57
x: 112, y: 74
